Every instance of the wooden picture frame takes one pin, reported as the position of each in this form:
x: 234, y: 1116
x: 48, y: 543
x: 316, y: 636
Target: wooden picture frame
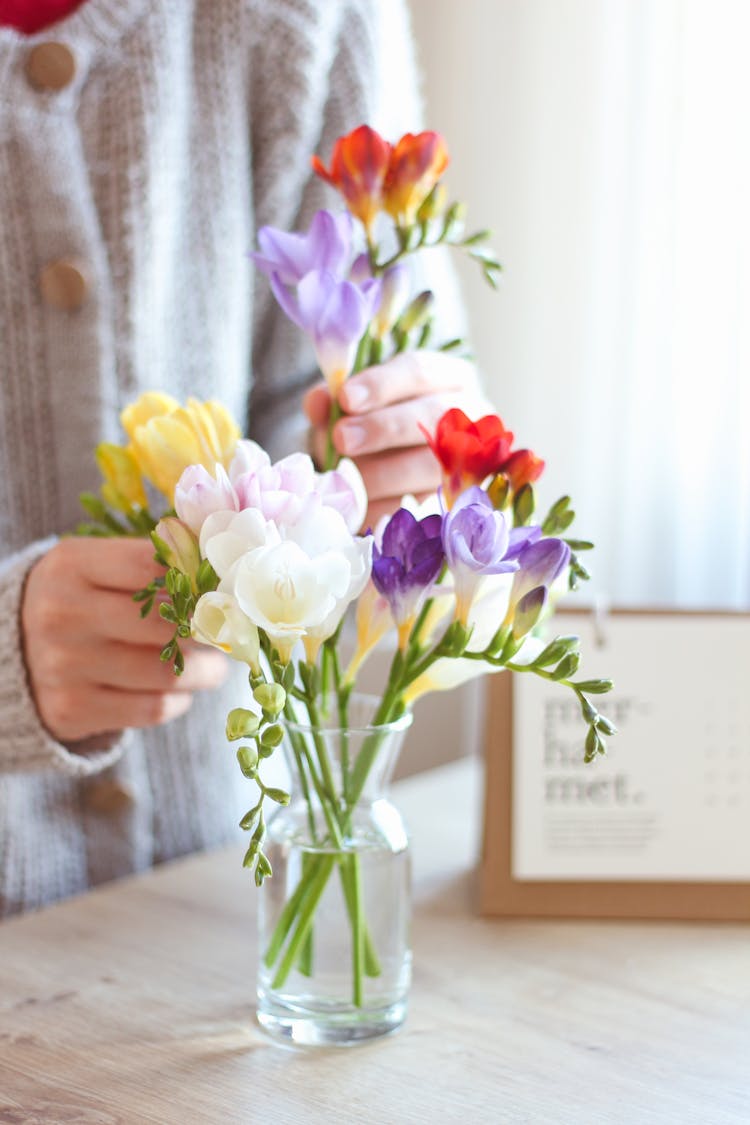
x: 501, y: 894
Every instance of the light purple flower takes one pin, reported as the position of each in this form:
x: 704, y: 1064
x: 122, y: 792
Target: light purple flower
x: 283, y: 490
x: 248, y: 458
x: 540, y: 563
x: 476, y: 540
x: 334, y: 314
x: 279, y: 490
x: 198, y: 494
x: 326, y: 245
x: 406, y: 564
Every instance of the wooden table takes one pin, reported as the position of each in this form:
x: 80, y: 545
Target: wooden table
x: 135, y: 1004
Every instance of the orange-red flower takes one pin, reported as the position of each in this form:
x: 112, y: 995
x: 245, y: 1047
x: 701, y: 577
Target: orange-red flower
x: 359, y: 166
x: 417, y: 163
x: 522, y: 467
x: 468, y: 451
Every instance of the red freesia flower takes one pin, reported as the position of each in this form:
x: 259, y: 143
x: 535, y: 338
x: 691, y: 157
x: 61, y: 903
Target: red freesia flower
x: 359, y: 166
x: 522, y: 467
x: 468, y: 451
x: 417, y: 163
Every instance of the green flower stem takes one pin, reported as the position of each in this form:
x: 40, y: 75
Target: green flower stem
x: 325, y: 790
x: 332, y: 457
x: 313, y: 891
x: 358, y: 930
x: 287, y: 916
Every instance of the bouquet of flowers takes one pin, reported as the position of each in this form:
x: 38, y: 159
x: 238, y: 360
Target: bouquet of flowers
x: 262, y: 560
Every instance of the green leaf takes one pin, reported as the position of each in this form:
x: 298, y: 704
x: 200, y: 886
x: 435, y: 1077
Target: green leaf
x: 206, y: 578
x: 93, y: 506
x: 479, y: 236
x: 580, y: 544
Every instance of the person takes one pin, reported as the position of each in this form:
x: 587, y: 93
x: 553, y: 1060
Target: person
x: 142, y: 146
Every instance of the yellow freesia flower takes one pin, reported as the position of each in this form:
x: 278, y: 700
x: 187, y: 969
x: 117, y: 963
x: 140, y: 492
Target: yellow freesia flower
x: 149, y: 405
x: 123, y: 483
x: 166, y: 437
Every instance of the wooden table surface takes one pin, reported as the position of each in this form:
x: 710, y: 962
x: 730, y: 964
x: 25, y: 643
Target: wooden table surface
x: 135, y: 1004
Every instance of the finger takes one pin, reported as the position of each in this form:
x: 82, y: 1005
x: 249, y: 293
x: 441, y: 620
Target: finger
x: 317, y: 404
x: 139, y: 669
x: 108, y: 614
x: 317, y: 444
x: 408, y: 375
x: 380, y: 508
x: 72, y: 714
x: 109, y: 564
x: 390, y: 427
x: 393, y: 475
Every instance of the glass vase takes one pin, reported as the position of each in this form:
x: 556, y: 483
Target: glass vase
x: 334, y: 955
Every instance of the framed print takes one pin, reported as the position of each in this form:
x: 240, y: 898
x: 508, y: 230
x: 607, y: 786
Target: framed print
x: 660, y: 826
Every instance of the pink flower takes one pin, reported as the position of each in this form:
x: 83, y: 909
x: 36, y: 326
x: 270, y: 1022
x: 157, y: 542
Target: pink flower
x: 198, y: 494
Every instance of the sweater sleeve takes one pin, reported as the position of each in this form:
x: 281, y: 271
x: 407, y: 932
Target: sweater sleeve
x: 25, y: 744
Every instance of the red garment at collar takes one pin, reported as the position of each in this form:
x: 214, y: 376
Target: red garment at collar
x: 32, y: 15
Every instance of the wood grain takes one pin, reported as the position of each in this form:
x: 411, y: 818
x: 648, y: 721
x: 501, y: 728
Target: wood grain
x: 134, y: 1005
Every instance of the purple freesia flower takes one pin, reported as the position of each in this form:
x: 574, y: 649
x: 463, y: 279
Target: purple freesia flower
x: 476, y: 539
x: 334, y: 314
x: 327, y: 245
x: 406, y: 564
x: 540, y: 562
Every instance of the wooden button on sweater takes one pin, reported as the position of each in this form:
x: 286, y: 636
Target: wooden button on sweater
x: 63, y: 285
x: 50, y: 66
x: 107, y: 795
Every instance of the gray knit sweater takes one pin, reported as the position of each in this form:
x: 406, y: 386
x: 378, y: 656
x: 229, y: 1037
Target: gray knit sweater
x: 187, y: 124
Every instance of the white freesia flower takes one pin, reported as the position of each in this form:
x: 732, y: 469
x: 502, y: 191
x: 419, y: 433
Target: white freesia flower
x: 227, y: 536
x: 299, y: 587
x: 286, y: 593
x: 219, y: 621
x: 322, y: 529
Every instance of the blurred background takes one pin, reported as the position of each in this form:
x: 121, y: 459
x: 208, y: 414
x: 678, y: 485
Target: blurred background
x: 605, y: 144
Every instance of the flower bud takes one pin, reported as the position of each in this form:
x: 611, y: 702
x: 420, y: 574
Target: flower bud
x: 241, y: 723
x: 498, y: 491
x: 271, y: 697
x: 247, y: 756
x: 528, y: 611
x: 123, y: 483
x: 393, y: 296
x: 178, y: 547
x: 418, y: 311
x: 434, y: 204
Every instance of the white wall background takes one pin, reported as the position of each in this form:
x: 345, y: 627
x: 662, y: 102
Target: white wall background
x: 605, y: 142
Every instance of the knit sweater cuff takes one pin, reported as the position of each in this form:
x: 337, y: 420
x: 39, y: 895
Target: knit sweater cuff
x: 25, y: 744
